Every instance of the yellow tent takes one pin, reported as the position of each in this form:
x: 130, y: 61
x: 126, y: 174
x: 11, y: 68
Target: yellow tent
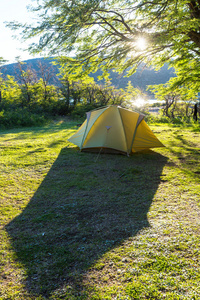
x: 113, y: 129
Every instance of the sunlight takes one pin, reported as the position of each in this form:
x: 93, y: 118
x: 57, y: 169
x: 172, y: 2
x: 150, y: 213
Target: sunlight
x: 137, y: 46
x: 139, y: 102
x: 141, y: 43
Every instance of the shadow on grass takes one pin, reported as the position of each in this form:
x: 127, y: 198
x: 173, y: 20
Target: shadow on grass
x: 186, y: 150
x: 84, y: 207
x: 24, y: 132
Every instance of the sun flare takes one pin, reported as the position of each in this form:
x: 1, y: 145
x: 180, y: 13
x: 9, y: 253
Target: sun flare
x: 139, y: 102
x: 141, y: 43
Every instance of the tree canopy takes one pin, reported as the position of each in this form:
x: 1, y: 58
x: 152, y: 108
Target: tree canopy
x: 118, y: 34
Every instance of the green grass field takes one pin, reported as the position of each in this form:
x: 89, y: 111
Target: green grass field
x: 77, y: 225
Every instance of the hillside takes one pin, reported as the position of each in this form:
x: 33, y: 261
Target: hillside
x: 141, y: 79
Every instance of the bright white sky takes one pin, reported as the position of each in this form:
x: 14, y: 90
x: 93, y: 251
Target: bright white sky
x: 13, y: 10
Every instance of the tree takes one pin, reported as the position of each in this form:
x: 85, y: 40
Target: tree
x: 108, y: 95
x: 132, y: 95
x: 1, y: 83
x: 46, y: 75
x: 65, y: 92
x: 112, y: 34
x: 10, y: 91
x: 173, y: 94
x: 74, y: 85
x: 2, y: 61
x: 26, y: 77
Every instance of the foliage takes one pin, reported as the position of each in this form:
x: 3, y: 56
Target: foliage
x: 109, y: 34
x: 75, y: 96
x: 180, y: 119
x: 21, y: 117
x: 35, y: 95
x: 178, y: 98
x: 142, y: 78
x: 80, y: 226
x: 79, y: 112
x: 10, y: 91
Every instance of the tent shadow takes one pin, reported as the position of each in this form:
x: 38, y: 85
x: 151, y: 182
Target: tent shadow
x: 83, y: 208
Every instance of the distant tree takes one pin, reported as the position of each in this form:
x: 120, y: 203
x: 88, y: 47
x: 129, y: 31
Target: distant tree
x: 65, y: 93
x: 91, y: 91
x: 36, y: 92
x: 73, y: 84
x: 2, y: 61
x: 82, y: 90
x: 1, y: 83
x: 10, y: 91
x: 26, y: 77
x: 47, y: 73
x: 107, y: 94
x: 172, y: 93
x: 133, y: 94
x: 45, y: 98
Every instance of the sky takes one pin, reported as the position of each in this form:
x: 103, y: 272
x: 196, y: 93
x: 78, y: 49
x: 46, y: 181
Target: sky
x: 13, y: 10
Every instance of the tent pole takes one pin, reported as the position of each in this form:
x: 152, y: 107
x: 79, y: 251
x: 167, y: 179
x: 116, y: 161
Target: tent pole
x: 140, y: 118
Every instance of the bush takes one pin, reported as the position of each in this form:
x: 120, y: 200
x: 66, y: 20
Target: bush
x: 80, y: 110
x: 21, y: 117
x: 157, y: 119
x: 179, y: 120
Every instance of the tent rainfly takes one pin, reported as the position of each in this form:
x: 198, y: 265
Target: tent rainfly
x: 113, y: 129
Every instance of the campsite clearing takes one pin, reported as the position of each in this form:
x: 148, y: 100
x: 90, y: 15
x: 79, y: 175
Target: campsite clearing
x: 77, y: 225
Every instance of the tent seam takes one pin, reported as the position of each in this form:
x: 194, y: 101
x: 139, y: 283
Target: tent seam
x: 92, y: 124
x: 134, y: 134
x: 123, y: 130
x: 85, y: 130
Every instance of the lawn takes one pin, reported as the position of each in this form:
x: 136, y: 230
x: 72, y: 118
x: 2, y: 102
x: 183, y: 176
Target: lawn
x: 79, y: 225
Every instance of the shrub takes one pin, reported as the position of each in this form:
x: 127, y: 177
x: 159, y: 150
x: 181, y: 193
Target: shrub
x: 21, y: 117
x: 80, y: 110
x: 157, y: 119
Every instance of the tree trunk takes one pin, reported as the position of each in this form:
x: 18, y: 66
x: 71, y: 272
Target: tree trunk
x: 186, y: 110
x: 195, y: 112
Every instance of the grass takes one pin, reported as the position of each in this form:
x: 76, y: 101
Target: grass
x: 80, y: 226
